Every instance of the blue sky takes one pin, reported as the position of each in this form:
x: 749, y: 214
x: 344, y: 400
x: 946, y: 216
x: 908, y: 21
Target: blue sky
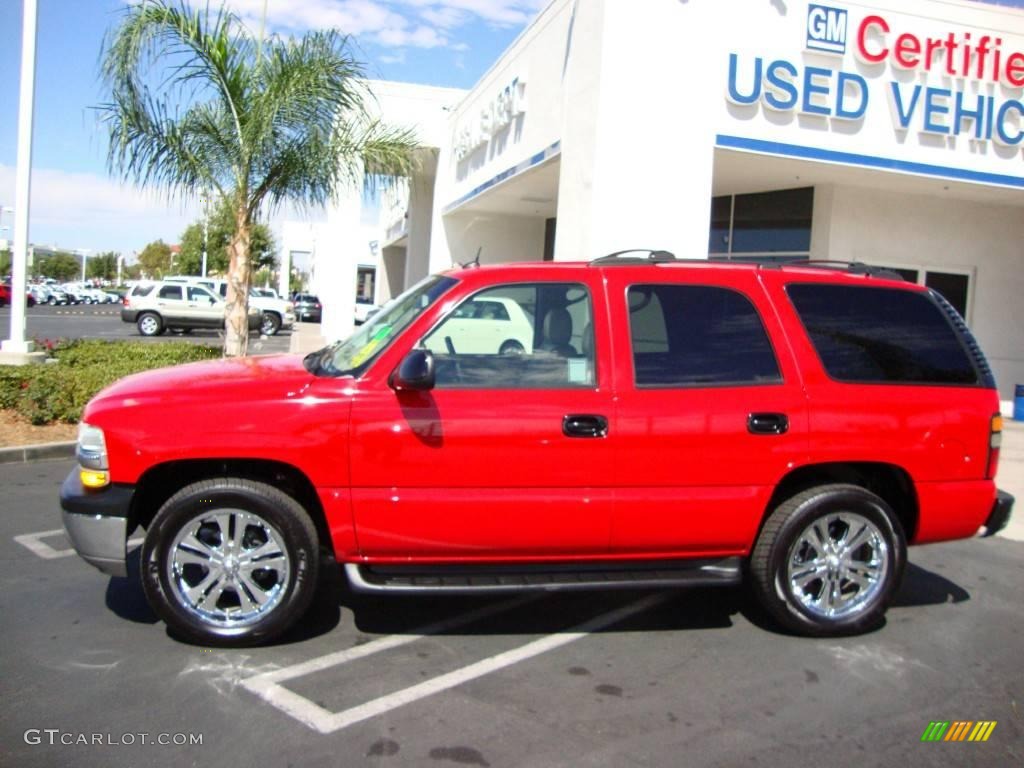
x: 76, y: 204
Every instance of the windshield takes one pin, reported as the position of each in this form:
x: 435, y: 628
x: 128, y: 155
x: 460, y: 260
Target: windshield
x: 354, y: 354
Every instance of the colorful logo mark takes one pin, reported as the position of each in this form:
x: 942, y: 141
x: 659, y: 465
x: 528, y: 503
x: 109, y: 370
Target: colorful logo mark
x: 958, y: 730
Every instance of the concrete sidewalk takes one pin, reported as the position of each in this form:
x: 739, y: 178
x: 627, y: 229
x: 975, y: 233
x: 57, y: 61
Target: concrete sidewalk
x: 1010, y: 477
x: 306, y: 338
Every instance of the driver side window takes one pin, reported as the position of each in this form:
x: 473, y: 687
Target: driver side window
x: 517, y: 336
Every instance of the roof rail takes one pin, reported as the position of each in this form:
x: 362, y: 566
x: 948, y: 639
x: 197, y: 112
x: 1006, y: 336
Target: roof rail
x: 853, y: 267
x: 653, y: 256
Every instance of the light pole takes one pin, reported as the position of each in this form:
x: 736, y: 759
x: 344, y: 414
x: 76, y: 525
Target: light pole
x: 85, y: 255
x: 16, y: 349
x: 206, y: 226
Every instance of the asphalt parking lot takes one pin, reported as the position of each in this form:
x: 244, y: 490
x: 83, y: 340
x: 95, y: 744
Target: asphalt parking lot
x: 90, y: 678
x: 103, y: 321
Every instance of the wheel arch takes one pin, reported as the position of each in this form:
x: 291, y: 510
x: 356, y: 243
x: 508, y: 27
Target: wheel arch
x: 888, y: 481
x: 158, y: 483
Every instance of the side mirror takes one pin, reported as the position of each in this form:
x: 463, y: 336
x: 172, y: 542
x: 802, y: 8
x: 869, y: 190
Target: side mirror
x: 415, y: 373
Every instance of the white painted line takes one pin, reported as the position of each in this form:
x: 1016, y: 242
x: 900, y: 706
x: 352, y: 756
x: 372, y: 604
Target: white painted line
x: 322, y: 720
x: 34, y: 544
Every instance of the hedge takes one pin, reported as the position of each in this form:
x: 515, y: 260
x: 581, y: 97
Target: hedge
x: 58, y: 391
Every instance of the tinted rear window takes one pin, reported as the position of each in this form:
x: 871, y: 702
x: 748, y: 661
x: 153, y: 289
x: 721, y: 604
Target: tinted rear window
x: 879, y: 335
x: 697, y: 335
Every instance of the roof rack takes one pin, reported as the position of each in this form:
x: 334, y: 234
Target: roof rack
x: 653, y: 256
x: 852, y: 267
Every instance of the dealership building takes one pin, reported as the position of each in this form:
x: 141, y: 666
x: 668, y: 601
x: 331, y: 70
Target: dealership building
x: 889, y: 132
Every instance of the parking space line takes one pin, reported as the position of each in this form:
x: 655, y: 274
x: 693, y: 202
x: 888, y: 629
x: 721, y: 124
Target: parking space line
x: 267, y: 687
x: 34, y: 543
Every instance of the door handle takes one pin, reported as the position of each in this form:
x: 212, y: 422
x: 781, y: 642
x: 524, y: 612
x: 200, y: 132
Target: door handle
x: 767, y: 423
x: 584, y: 425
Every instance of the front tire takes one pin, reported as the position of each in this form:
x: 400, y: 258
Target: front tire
x: 829, y: 561
x: 230, y: 562
x: 270, y: 323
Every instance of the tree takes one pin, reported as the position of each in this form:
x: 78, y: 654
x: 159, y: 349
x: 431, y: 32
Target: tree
x: 254, y: 122
x: 5, y: 262
x: 155, y: 260
x: 219, y: 231
x: 60, y: 266
x: 102, y: 266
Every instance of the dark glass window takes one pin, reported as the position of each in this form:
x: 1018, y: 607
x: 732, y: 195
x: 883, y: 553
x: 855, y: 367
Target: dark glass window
x: 696, y: 335
x: 517, y: 336
x: 721, y: 213
x: 772, y: 222
x: 170, y: 292
x: 878, y: 335
x: 953, y: 288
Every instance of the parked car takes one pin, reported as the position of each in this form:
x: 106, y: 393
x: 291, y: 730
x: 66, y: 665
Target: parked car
x: 307, y: 308
x: 157, y: 307
x: 275, y: 313
x: 56, y: 295
x: 666, y: 424
x: 5, y: 296
x: 365, y: 309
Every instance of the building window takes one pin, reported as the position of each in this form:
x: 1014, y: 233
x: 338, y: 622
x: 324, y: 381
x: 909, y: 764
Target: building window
x: 767, y: 223
x: 955, y: 287
x: 697, y: 336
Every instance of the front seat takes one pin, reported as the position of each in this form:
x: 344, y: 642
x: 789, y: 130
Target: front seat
x: 557, y: 332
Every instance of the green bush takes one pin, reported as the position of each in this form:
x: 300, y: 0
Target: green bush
x: 58, y: 391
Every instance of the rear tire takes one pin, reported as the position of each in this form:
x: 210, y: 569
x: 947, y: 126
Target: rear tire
x: 828, y: 561
x: 230, y: 562
x: 150, y: 324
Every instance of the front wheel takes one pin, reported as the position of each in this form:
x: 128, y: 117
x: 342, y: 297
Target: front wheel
x: 230, y: 562
x: 270, y: 323
x: 829, y: 561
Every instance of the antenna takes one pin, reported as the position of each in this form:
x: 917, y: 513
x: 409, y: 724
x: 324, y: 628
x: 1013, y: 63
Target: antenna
x: 475, y: 262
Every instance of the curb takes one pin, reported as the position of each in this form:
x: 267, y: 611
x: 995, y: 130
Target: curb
x: 25, y: 453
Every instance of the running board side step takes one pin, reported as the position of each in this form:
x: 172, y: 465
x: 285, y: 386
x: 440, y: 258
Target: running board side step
x: 542, y: 577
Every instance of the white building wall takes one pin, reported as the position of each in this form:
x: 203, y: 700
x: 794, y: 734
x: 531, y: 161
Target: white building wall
x: 924, y: 231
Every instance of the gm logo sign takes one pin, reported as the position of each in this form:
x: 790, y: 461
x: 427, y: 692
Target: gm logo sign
x: 826, y: 29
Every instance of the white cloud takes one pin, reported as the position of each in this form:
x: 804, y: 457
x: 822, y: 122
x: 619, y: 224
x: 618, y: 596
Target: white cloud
x: 83, y: 210
x: 414, y: 23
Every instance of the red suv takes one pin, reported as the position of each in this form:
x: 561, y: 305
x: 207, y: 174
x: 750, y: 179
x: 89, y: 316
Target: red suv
x: 664, y: 423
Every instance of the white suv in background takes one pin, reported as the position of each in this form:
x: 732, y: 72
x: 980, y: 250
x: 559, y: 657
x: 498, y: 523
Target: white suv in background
x: 178, y: 306
x: 275, y: 313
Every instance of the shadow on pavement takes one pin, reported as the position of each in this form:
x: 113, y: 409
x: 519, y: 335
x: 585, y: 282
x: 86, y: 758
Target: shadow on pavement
x: 924, y: 587
x: 125, y: 596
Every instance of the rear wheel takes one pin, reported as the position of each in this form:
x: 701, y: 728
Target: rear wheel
x: 230, y: 562
x: 828, y: 561
x: 511, y: 348
x: 150, y: 324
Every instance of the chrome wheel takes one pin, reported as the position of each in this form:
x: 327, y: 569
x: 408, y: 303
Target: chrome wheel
x: 228, y: 568
x: 838, y: 566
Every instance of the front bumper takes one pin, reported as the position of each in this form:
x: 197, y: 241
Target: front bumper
x: 97, y: 523
x: 1000, y: 514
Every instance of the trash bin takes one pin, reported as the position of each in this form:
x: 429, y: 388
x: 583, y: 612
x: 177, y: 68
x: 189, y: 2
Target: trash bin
x: 1018, y: 403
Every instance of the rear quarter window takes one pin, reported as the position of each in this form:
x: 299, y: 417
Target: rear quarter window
x: 868, y: 334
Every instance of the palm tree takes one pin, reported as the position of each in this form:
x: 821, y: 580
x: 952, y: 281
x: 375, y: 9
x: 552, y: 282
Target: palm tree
x: 197, y: 103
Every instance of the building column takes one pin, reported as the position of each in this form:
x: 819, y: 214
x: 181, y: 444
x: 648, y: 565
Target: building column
x: 638, y: 140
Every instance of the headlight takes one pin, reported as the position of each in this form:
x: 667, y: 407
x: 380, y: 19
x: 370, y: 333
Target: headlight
x: 92, y: 447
